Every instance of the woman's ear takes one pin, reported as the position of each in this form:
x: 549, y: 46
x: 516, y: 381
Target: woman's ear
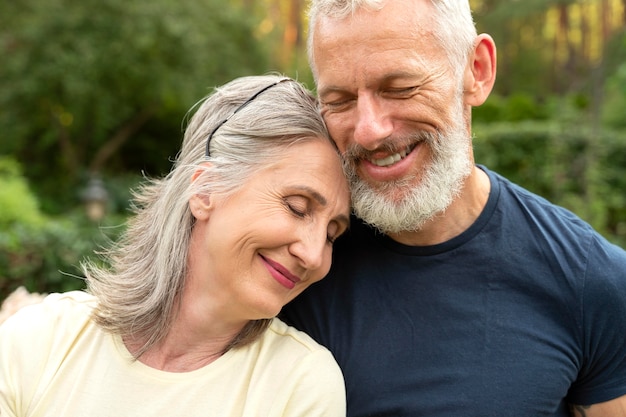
x: 200, y: 204
x: 202, y: 168
x: 480, y: 73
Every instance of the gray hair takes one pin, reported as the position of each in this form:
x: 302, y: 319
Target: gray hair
x: 138, y: 293
x: 454, y: 30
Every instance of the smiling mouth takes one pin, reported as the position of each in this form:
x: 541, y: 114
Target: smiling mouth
x: 280, y: 273
x: 393, y: 158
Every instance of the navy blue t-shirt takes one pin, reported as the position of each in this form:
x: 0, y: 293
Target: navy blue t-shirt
x: 519, y: 315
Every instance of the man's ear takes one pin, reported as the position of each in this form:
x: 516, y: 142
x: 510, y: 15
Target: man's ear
x: 480, y: 73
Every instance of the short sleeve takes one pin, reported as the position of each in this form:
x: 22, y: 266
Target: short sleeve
x: 31, y: 340
x: 19, y: 335
x: 603, y: 371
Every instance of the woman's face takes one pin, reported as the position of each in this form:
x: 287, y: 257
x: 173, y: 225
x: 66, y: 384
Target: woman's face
x: 255, y: 250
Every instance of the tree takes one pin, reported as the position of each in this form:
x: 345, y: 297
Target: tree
x: 283, y: 26
x: 549, y: 46
x: 82, y: 80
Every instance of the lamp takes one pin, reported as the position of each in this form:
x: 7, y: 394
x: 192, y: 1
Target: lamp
x: 95, y: 197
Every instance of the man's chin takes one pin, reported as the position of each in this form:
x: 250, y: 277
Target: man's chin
x: 389, y: 214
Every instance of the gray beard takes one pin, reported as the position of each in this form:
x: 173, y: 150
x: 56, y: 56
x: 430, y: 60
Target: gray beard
x: 398, y: 206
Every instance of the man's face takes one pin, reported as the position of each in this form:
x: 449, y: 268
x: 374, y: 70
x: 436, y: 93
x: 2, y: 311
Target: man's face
x: 395, y: 109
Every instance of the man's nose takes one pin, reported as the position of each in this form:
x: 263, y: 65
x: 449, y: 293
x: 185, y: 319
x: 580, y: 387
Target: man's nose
x: 372, y: 125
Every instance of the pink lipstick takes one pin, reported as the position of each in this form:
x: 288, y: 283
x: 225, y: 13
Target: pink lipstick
x: 281, y: 274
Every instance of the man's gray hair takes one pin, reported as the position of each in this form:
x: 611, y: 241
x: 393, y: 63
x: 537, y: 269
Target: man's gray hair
x: 138, y: 292
x: 455, y: 29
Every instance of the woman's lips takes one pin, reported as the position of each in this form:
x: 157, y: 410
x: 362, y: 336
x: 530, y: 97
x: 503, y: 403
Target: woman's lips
x: 280, y: 273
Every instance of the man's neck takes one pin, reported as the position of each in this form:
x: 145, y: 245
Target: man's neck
x: 457, y: 218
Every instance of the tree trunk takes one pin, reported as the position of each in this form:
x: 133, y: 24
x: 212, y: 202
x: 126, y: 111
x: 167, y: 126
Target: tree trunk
x: 292, y: 35
x: 564, y: 47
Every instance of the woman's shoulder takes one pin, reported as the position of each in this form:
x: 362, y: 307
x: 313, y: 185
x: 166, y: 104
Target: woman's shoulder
x: 54, y: 314
x: 281, y: 333
x: 289, y: 345
x: 303, y: 365
x: 39, y: 336
x: 58, y: 304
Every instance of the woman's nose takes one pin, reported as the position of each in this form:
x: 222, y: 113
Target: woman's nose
x: 310, y: 249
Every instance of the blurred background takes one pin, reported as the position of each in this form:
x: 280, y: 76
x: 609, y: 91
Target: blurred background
x: 93, y: 95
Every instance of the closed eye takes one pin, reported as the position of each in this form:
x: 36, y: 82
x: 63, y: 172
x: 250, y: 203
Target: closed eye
x: 336, y: 104
x: 334, y: 99
x: 405, y: 92
x: 297, y: 205
x: 333, y: 238
x: 337, y: 228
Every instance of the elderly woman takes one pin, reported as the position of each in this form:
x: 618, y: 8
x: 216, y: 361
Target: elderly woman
x: 182, y: 323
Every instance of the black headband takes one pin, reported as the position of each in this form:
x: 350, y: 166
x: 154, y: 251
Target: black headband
x: 244, y: 104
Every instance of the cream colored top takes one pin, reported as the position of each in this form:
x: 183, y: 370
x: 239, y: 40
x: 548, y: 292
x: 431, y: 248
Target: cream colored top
x: 54, y: 361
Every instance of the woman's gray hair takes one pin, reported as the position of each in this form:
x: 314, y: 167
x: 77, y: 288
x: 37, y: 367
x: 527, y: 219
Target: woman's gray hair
x: 139, y: 291
x: 455, y: 29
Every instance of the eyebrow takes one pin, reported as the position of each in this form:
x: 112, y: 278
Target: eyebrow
x: 317, y: 196
x: 328, y: 90
x: 322, y: 201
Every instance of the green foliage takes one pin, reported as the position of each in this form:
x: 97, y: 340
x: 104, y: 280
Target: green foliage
x: 37, y: 251
x: 614, y: 113
x: 516, y: 107
x: 81, y: 80
x: 17, y: 202
x: 46, y: 258
x: 572, y: 166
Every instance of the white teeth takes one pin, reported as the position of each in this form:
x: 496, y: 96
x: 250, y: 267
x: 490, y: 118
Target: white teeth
x: 390, y: 160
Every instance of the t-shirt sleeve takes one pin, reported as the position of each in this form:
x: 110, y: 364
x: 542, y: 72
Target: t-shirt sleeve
x: 603, y: 312
x: 22, y: 336
x: 314, y: 388
x: 31, y: 340
x: 7, y: 380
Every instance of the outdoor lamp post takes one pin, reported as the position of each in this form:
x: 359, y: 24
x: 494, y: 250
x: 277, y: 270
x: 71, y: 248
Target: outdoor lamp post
x: 95, y: 198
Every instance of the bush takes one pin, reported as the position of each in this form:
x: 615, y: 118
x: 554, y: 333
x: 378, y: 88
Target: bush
x: 38, y: 252
x: 574, y: 167
x: 514, y: 108
x: 613, y: 110
x: 46, y: 258
x: 17, y: 202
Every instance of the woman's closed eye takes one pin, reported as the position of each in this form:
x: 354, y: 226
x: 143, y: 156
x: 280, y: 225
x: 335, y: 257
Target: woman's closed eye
x: 298, y: 205
x: 335, y: 230
x: 332, y: 237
